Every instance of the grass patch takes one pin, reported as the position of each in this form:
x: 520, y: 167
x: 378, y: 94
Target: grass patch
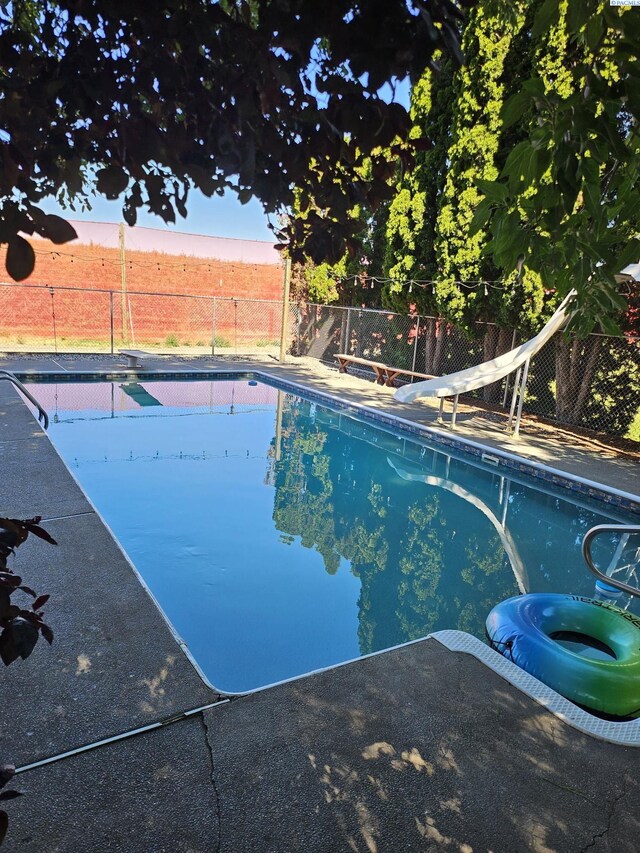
x: 634, y: 430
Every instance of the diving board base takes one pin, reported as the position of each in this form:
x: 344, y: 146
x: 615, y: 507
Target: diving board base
x: 134, y: 356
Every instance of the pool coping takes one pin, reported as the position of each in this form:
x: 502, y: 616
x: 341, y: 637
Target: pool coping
x: 621, y: 733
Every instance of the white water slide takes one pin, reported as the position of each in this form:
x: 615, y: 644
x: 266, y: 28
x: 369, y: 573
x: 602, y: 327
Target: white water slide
x: 516, y: 361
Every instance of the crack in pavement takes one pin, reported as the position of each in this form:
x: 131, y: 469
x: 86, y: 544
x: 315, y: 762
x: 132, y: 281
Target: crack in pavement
x: 612, y: 810
x: 213, y: 782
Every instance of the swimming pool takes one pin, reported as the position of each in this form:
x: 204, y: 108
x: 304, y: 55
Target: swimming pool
x: 280, y: 536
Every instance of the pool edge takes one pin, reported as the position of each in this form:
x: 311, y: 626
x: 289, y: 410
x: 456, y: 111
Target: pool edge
x: 619, y: 733
x: 602, y: 492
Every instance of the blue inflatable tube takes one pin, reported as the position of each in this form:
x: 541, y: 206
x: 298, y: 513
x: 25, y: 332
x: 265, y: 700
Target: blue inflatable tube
x: 586, y: 650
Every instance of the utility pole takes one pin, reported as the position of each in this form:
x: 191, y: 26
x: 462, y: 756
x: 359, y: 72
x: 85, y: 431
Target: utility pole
x: 123, y: 280
x: 285, y: 309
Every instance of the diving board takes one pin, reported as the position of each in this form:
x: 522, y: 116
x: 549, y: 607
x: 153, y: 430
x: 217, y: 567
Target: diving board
x: 134, y: 356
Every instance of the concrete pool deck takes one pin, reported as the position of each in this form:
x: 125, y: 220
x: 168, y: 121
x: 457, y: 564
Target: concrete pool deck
x: 419, y: 748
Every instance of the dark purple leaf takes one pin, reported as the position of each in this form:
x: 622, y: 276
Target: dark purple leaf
x: 41, y: 533
x: 28, y: 590
x: 4, y: 825
x: 58, y: 230
x: 40, y: 602
x: 10, y: 613
x: 47, y: 633
x: 130, y: 214
x: 8, y: 652
x: 8, y: 532
x: 23, y: 636
x: 16, y: 527
x: 112, y: 180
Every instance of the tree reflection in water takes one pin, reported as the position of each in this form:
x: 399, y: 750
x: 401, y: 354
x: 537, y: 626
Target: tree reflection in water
x: 435, y: 542
x: 424, y: 561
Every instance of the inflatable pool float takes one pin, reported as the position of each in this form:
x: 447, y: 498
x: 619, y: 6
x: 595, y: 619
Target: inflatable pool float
x: 586, y: 650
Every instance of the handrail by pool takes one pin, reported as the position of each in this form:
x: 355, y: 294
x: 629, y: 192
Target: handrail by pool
x: 42, y: 415
x: 586, y: 553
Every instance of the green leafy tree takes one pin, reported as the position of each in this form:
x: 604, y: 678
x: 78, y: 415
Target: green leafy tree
x: 413, y: 212
x: 473, y: 156
x: 352, y: 280
x: 323, y: 280
x: 566, y: 197
x: 429, y: 229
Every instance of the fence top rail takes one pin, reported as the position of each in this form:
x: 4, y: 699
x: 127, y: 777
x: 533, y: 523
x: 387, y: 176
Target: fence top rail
x: 624, y: 337
x: 129, y: 292
x: 388, y: 313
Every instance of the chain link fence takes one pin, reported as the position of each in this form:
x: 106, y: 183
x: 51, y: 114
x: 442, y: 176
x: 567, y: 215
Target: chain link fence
x: 593, y: 384
x: 34, y: 318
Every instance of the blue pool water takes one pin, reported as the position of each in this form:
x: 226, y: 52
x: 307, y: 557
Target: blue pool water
x: 280, y: 536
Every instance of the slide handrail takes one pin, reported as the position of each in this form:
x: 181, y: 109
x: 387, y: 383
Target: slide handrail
x: 42, y: 415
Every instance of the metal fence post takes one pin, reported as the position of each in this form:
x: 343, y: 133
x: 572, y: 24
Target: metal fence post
x: 213, y: 326
x: 235, y: 325
x: 346, y: 337
x: 298, y: 327
x: 111, y: 318
x: 285, y: 309
x: 53, y: 317
x: 123, y: 281
x: 506, y: 384
x: 415, y: 346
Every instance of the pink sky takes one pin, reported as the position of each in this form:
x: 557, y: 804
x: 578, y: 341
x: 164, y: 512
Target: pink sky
x: 176, y: 243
